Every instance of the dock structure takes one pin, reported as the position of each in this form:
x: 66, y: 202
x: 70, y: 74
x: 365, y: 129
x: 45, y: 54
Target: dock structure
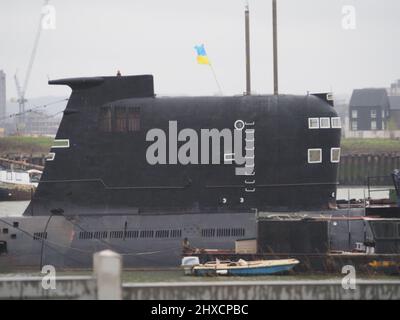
x: 20, y: 164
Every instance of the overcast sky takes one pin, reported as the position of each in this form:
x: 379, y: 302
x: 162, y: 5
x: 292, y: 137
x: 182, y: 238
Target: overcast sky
x: 97, y: 37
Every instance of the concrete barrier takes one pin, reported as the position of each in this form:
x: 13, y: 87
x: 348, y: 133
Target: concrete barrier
x: 104, y: 284
x: 33, y: 288
x: 263, y: 290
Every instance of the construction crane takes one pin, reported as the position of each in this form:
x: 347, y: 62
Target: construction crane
x: 21, y: 91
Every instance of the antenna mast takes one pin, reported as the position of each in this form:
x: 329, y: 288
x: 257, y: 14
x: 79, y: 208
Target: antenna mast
x: 247, y: 37
x: 275, y: 45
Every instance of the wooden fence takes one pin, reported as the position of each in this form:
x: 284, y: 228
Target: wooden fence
x: 355, y: 169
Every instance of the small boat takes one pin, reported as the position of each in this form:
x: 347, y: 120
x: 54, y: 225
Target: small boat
x: 239, y: 268
x: 385, y: 266
x: 17, y: 184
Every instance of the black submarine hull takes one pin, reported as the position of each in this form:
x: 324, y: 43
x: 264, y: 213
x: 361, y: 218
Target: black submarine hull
x: 147, y: 241
x: 139, y: 174
x: 102, y: 166
x: 143, y: 241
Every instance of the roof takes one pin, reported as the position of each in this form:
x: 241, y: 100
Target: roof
x: 368, y: 98
x: 394, y: 103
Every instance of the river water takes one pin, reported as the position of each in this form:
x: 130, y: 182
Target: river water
x: 13, y: 208
x: 359, y: 193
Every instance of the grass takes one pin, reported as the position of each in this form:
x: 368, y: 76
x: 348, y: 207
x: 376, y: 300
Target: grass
x: 26, y: 145
x: 358, y: 146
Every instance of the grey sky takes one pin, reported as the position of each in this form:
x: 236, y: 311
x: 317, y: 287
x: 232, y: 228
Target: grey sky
x: 97, y: 37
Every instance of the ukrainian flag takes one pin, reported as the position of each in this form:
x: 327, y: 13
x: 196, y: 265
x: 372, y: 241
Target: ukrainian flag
x: 202, y: 55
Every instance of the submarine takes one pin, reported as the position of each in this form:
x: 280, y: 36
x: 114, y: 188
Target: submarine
x: 108, y: 159
x: 139, y: 174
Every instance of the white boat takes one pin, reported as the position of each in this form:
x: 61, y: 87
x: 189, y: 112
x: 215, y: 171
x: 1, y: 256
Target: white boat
x: 242, y: 267
x: 18, y: 185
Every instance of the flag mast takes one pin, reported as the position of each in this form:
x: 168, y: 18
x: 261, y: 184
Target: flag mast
x: 202, y: 58
x: 216, y: 80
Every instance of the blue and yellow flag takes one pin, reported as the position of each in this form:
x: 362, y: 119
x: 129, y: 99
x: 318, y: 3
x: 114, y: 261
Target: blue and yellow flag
x: 202, y: 55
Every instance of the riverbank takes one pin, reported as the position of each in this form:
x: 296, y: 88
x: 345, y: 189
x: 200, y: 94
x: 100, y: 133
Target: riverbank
x: 25, y: 145
x: 370, y: 146
x: 29, y: 145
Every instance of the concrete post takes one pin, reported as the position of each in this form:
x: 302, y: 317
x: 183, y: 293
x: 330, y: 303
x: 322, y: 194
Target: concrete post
x: 107, y: 267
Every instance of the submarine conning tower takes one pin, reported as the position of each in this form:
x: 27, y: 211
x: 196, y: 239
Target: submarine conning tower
x: 121, y: 150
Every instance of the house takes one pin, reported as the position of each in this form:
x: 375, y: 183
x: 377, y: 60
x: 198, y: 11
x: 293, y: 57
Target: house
x: 369, y: 109
x: 394, y: 112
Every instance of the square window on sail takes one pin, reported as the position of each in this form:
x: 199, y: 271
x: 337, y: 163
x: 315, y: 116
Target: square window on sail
x: 314, y: 155
x: 325, y: 123
x: 335, y: 155
x: 313, y: 123
x: 336, y: 123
